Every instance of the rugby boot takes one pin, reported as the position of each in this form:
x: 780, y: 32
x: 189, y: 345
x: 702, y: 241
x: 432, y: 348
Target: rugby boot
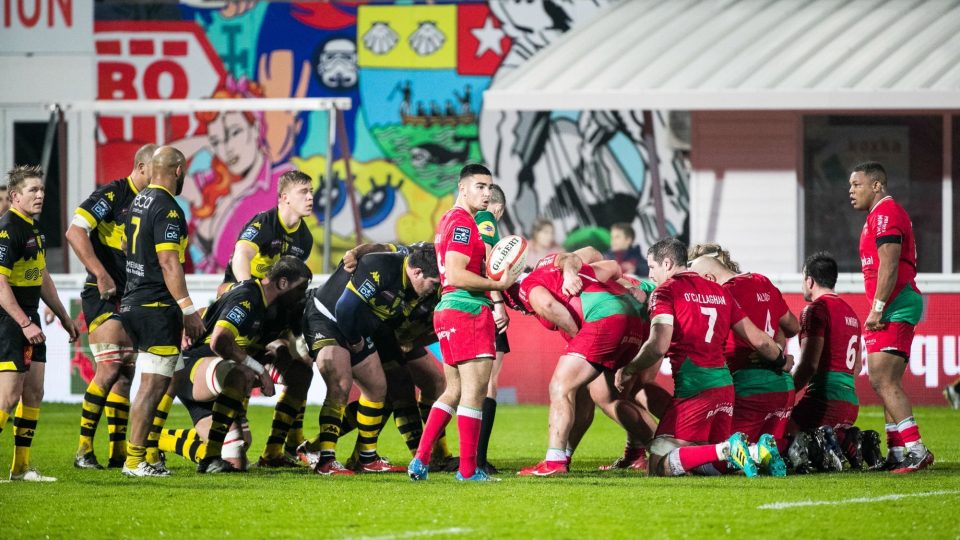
x: 915, y: 461
x: 830, y: 455
x: 478, y: 476
x: 852, y: 448
x: 331, y: 467
x: 545, y: 468
x: 770, y: 460
x: 870, y: 449
x: 215, y: 465
x: 306, y: 456
x: 143, y: 469
x: 377, y: 465
x: 87, y: 461
x: 739, y: 455
x: 417, y: 470
x: 634, y: 459
x: 798, y: 453
x: 31, y: 475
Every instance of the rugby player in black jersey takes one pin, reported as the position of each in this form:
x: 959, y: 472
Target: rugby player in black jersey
x: 24, y: 280
x: 96, y: 236
x: 338, y: 324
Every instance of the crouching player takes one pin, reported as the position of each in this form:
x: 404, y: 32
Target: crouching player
x: 829, y: 362
x: 764, y: 394
x: 604, y: 330
x: 691, y: 318
x: 218, y: 371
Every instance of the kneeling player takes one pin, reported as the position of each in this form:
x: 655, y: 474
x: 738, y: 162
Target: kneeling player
x: 218, y: 372
x: 690, y: 321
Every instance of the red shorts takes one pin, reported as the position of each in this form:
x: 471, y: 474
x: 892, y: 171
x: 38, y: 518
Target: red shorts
x: 704, y: 418
x: 763, y: 413
x: 896, y: 337
x: 812, y: 412
x: 464, y: 336
x: 610, y: 342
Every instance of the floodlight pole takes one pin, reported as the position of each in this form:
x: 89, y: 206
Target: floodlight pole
x: 328, y: 191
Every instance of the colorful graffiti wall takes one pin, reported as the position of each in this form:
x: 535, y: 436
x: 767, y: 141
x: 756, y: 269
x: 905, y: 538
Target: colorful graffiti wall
x: 416, y: 74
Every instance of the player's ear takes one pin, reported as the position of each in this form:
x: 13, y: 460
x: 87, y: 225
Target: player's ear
x: 282, y: 284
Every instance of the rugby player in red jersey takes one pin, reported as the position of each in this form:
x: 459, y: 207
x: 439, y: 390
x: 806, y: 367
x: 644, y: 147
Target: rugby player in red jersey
x: 691, y: 318
x: 763, y: 396
x: 463, y: 321
x: 888, y: 256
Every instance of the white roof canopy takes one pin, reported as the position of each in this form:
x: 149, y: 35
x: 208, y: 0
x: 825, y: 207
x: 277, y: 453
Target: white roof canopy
x: 748, y: 55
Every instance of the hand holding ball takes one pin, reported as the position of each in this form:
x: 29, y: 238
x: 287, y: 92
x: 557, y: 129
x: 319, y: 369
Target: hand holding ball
x: 509, y: 255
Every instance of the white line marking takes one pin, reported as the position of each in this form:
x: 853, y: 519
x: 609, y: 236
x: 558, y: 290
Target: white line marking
x: 417, y: 534
x: 858, y: 500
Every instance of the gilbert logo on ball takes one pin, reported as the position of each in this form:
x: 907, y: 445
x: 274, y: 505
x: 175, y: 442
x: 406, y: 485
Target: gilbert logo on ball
x: 510, y: 253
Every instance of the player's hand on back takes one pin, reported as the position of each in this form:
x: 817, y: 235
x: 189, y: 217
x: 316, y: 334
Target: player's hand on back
x: 350, y: 261
x: 266, y: 384
x: 193, y: 326
x: 572, y: 284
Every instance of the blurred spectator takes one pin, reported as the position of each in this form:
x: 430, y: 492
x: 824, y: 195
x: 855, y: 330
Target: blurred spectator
x: 4, y: 199
x: 542, y: 241
x: 625, y: 252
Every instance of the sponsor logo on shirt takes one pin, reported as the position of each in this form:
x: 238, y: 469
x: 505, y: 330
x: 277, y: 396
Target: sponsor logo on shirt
x: 172, y: 233
x: 461, y: 235
x: 866, y: 261
x: 249, y: 233
x: 3, y: 253
x: 367, y: 289
x: 236, y: 315
x: 101, y: 209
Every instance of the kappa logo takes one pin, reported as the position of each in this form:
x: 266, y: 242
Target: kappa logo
x: 375, y: 276
x: 101, y: 209
x: 173, y: 214
x: 110, y: 195
x: 236, y: 315
x: 245, y: 304
x: 172, y: 233
x: 4, y: 234
x: 367, y: 289
x: 461, y: 235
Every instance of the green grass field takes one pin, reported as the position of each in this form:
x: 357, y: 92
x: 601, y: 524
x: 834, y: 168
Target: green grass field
x: 586, y: 504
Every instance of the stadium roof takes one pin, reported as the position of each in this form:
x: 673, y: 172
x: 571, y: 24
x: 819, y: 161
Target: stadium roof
x: 748, y: 55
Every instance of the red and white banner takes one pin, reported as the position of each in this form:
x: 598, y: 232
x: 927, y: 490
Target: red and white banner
x: 934, y: 360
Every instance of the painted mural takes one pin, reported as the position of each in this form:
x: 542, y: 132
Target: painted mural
x: 416, y: 74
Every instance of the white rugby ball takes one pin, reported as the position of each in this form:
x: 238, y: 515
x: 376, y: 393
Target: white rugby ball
x: 510, y: 254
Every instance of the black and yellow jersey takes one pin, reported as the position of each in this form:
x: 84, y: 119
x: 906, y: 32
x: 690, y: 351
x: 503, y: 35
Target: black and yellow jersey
x: 417, y: 323
x: 22, y: 257
x: 241, y: 310
x: 271, y: 239
x: 105, y: 211
x: 380, y: 281
x: 154, y: 223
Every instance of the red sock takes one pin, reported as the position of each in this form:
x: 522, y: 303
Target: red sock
x: 692, y: 457
x: 908, y: 430
x: 894, y: 439
x: 468, y: 424
x: 437, y: 420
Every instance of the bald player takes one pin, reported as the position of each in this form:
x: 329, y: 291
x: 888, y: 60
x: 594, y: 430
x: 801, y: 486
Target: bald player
x: 96, y: 236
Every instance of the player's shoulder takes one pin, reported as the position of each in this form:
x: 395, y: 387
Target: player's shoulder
x: 384, y: 262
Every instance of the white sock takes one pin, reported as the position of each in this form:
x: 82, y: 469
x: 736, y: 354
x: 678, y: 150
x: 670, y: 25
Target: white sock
x: 569, y: 452
x: 556, y: 454
x: 754, y: 452
x: 723, y: 451
x: 676, y: 467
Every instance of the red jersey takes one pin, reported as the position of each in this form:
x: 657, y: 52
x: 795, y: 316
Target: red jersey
x: 887, y: 221
x: 762, y: 303
x: 701, y: 313
x: 831, y: 318
x: 546, y: 274
x: 457, y: 231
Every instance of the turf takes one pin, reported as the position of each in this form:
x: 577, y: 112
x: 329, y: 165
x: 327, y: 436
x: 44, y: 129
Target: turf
x: 586, y: 504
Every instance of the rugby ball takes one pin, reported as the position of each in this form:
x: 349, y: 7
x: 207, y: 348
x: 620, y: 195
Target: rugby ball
x: 510, y: 254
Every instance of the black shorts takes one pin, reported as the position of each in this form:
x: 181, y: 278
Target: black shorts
x: 183, y: 387
x: 503, y: 344
x: 389, y: 350
x: 156, y: 330
x: 16, y: 353
x: 320, y: 331
x: 96, y: 309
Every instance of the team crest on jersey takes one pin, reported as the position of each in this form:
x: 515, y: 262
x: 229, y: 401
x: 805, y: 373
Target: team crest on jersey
x: 367, y: 289
x: 101, y: 209
x: 236, y: 315
x: 250, y: 233
x: 461, y: 235
x: 172, y: 233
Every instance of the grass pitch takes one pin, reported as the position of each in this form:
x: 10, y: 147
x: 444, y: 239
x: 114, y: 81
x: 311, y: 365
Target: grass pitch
x: 586, y: 504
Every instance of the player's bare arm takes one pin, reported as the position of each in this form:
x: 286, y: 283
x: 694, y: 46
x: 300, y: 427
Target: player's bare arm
x: 8, y: 302
x: 48, y: 293
x: 243, y: 253
x: 607, y: 270
x: 652, y: 350
x: 351, y: 257
x: 789, y: 325
x: 589, y: 255
x: 79, y: 240
x: 810, y: 350
x: 546, y: 306
x: 224, y: 344
x: 759, y: 340
x: 458, y: 276
x: 174, y: 279
x: 886, y: 279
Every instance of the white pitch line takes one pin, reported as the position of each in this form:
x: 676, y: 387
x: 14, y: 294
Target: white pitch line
x: 417, y: 534
x: 859, y: 500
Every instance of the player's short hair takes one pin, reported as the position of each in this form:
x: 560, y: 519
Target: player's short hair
x: 474, y: 169
x: 822, y: 267
x: 424, y: 257
x: 669, y: 248
x: 625, y: 228
x: 496, y: 195
x: 873, y: 170
x: 19, y: 174
x: 144, y: 154
x: 289, y: 267
x: 714, y: 250
x: 290, y: 178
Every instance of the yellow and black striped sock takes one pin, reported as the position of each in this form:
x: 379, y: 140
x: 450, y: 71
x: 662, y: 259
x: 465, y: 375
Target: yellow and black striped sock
x: 92, y: 407
x: 284, y: 414
x: 407, y: 417
x: 159, y: 419
x: 440, y: 447
x: 228, y: 405
x: 24, y: 427
x: 370, y: 416
x: 331, y: 417
x: 183, y: 442
x: 349, y: 418
x: 117, y: 412
x: 135, y: 455
x: 4, y: 416
x: 295, y: 435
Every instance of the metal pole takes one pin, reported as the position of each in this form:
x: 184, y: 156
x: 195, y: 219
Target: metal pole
x: 48, y: 142
x: 345, y: 155
x: 650, y: 142
x: 329, y: 183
